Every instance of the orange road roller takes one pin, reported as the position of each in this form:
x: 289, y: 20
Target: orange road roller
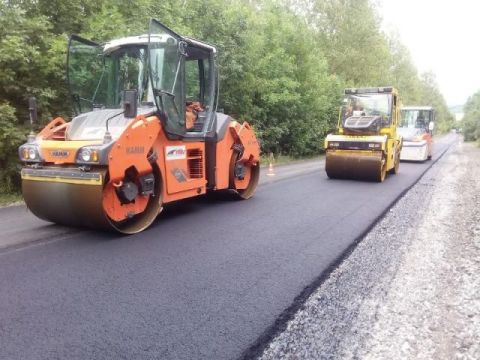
x: 146, y: 132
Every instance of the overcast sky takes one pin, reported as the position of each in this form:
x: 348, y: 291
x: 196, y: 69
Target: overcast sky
x: 443, y: 36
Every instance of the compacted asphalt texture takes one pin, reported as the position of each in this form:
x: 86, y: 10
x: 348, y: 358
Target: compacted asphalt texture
x: 208, y: 280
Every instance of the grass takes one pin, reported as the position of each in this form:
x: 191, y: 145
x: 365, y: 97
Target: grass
x: 9, y: 198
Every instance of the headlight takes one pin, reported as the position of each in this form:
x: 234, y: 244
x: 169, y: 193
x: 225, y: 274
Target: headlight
x: 29, y: 153
x: 374, y: 145
x: 88, y: 155
x: 32, y: 154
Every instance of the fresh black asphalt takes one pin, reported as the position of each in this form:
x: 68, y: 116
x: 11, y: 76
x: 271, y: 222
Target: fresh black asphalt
x: 204, y: 282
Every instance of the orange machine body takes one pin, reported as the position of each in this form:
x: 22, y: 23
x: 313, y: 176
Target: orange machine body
x: 182, y: 165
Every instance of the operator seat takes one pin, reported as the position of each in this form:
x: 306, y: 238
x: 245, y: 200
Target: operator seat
x: 193, y: 108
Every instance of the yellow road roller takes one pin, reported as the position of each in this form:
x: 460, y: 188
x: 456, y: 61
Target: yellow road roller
x: 366, y: 145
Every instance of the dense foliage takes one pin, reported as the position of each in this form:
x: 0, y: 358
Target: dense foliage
x: 283, y: 63
x: 471, y: 119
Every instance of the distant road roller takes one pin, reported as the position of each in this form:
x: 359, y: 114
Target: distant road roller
x: 146, y: 133
x: 366, y: 145
x: 416, y: 127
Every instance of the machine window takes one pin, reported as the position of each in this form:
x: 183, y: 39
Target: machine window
x: 367, y: 105
x: 418, y: 119
x: 192, y: 77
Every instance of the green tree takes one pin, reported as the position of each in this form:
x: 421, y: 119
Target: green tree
x: 355, y: 47
x: 430, y: 95
x: 28, y: 66
x: 403, y: 73
x: 282, y: 63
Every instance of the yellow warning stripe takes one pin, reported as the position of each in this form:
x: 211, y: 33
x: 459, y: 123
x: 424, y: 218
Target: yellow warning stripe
x: 66, y: 180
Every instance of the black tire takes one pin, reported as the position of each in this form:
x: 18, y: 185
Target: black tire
x: 396, y: 167
x: 248, y: 192
x: 382, y: 171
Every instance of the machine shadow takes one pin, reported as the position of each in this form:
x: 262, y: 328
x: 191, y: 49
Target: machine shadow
x: 415, y: 161
x: 192, y: 205
x: 171, y: 211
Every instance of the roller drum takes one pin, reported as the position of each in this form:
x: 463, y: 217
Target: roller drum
x: 78, y: 202
x: 355, y: 166
x: 67, y: 204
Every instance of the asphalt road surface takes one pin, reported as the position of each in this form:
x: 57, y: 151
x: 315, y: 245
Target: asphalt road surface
x: 207, y: 281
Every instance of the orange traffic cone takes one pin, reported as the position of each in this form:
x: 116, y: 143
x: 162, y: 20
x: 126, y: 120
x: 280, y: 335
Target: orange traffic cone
x: 270, y: 171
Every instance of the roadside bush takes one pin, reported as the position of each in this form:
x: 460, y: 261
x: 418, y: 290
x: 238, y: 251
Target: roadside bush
x: 10, y: 138
x: 471, y: 128
x: 471, y: 119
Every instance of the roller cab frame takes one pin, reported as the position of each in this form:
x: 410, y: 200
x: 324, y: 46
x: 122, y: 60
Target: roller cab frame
x: 366, y: 145
x: 416, y: 128
x: 146, y: 132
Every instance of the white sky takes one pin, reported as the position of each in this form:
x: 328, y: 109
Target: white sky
x: 443, y: 36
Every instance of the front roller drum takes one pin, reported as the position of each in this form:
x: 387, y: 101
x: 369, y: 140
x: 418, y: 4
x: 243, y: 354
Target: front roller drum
x: 244, y: 177
x: 66, y: 204
x: 355, y: 166
x: 81, y: 205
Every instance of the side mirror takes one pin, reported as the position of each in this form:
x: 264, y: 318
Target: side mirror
x: 130, y: 103
x: 431, y: 125
x: 32, y: 109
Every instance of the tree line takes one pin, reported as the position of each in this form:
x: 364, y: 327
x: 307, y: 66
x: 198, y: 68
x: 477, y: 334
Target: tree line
x: 283, y: 64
